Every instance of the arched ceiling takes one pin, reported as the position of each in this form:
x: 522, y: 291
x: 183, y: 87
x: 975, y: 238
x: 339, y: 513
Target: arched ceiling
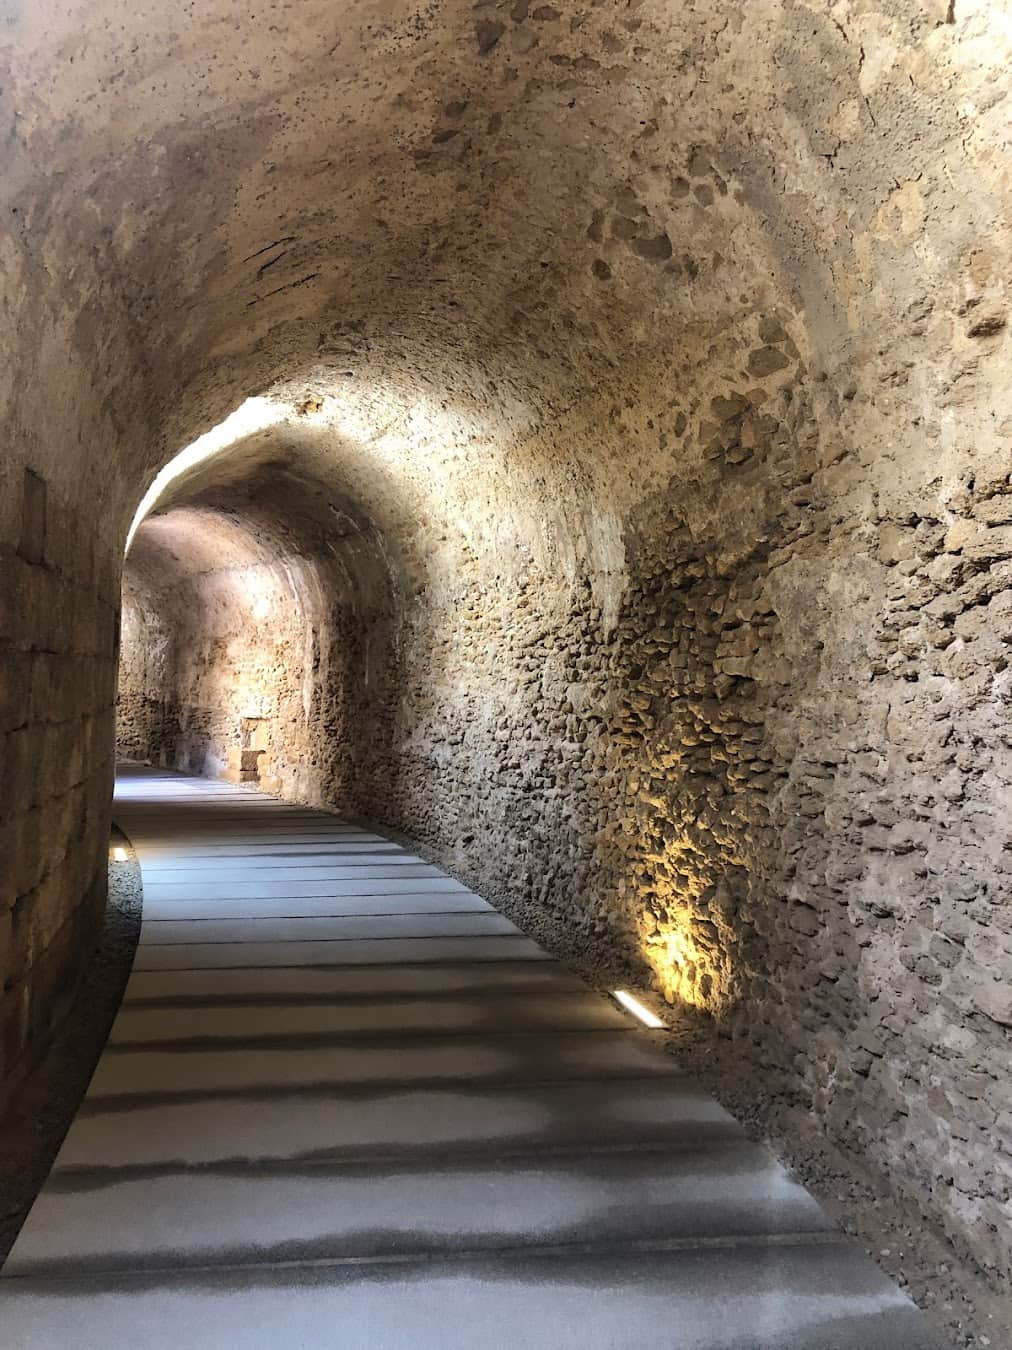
x: 463, y: 224
x: 264, y: 503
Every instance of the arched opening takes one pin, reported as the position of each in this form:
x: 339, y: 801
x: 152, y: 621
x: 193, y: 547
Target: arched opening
x: 257, y: 641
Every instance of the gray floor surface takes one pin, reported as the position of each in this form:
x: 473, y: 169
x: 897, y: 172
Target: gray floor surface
x: 347, y: 1104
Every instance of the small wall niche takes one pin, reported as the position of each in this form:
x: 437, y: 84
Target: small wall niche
x: 252, y: 746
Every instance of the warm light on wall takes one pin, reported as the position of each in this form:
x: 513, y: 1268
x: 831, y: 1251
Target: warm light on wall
x: 679, y: 949
x: 119, y: 854
x: 637, y: 1009
x: 689, y: 969
x: 687, y: 973
x: 682, y: 912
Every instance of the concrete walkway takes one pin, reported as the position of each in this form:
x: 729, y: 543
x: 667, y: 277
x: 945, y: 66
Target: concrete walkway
x: 347, y: 1104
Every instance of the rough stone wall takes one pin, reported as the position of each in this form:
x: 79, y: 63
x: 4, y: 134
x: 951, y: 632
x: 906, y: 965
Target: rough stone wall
x: 247, y: 694
x: 225, y: 650
x: 147, y: 710
x: 56, y: 718
x: 778, y: 775
x: 750, y: 741
x: 702, y: 627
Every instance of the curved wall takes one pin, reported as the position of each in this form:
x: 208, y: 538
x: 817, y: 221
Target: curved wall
x: 659, y: 353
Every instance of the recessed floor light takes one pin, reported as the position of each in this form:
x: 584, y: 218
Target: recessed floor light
x: 637, y: 1009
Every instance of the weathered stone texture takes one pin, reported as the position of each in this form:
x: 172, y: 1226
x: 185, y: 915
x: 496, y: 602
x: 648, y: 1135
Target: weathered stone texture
x: 56, y: 718
x: 637, y: 528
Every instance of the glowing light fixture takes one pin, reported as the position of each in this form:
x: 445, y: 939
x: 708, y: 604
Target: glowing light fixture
x: 119, y: 854
x: 637, y: 1009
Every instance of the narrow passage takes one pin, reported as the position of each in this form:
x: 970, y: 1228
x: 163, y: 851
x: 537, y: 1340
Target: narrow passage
x: 346, y: 1103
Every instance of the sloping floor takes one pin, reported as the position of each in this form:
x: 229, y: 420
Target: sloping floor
x: 347, y: 1104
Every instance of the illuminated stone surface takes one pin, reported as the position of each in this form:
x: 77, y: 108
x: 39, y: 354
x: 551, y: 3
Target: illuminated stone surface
x: 503, y: 1148
x: 612, y: 494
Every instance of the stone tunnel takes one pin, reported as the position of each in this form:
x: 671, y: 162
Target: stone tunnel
x: 574, y: 444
